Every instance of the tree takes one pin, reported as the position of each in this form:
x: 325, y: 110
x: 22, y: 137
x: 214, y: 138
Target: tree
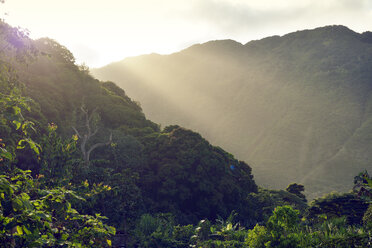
x: 90, y: 131
x: 363, y: 186
x: 282, y: 226
x: 32, y: 214
x: 296, y: 189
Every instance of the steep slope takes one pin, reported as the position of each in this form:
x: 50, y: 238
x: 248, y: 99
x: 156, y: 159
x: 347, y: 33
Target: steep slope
x: 297, y: 107
x: 150, y: 170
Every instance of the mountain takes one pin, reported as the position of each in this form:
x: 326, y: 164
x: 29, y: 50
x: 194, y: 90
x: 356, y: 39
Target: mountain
x: 82, y: 166
x: 297, y: 108
x: 149, y: 170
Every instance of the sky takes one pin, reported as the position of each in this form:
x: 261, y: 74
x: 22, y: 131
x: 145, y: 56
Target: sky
x: 99, y: 32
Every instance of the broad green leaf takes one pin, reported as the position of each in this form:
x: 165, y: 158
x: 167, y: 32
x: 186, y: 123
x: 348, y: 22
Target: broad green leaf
x: 17, y: 204
x: 111, y: 230
x: 17, y: 110
x: 72, y: 193
x: 20, y: 144
x: 64, y: 236
x: 25, y: 230
x: 5, y: 154
x: 17, y: 124
x: 19, y: 230
x: 34, y: 146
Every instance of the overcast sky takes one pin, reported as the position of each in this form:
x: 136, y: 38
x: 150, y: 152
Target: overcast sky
x: 102, y: 31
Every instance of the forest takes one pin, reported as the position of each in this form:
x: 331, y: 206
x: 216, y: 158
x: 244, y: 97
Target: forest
x: 82, y: 166
x: 295, y: 107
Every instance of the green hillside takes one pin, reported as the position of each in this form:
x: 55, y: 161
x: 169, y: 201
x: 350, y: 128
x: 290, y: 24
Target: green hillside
x: 81, y: 166
x: 296, y: 107
x: 173, y: 170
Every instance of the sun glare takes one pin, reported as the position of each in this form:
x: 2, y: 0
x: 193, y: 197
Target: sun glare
x: 102, y: 32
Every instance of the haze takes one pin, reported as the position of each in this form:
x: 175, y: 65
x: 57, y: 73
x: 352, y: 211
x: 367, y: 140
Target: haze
x: 99, y: 32
x: 297, y: 108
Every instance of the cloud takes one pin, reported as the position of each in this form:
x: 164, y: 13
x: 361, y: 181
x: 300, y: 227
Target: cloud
x: 235, y: 17
x: 114, y: 29
x: 228, y: 16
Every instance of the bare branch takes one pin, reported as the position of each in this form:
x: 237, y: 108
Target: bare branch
x: 91, y: 114
x: 88, y: 134
x: 83, y: 109
x: 87, y: 124
x: 98, y: 145
x: 95, y: 132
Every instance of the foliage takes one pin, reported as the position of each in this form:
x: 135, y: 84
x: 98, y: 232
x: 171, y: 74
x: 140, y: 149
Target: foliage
x: 31, y: 213
x: 152, y: 185
x: 267, y: 200
x: 363, y: 186
x: 287, y: 103
x: 281, y: 227
x: 208, y: 186
x: 192, y: 179
x: 160, y: 231
x: 296, y: 189
x: 337, y: 205
x: 10, y: 116
x: 257, y: 237
x: 284, y: 229
x: 56, y: 159
x: 336, y: 233
x: 115, y: 195
x: 367, y: 218
x: 33, y: 218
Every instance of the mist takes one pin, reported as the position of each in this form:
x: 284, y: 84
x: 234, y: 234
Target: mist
x: 269, y: 102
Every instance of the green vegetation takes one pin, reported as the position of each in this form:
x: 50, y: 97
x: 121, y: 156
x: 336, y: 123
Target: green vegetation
x: 35, y: 212
x: 283, y: 229
x: 296, y: 107
x: 81, y: 166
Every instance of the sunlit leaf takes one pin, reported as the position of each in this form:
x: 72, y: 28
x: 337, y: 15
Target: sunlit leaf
x: 5, y: 154
x: 19, y: 230
x: 17, y: 124
x: 20, y: 144
x: 26, y: 231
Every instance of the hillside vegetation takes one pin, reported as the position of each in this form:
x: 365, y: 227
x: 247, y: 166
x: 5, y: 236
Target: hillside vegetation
x: 81, y: 166
x: 136, y: 168
x: 296, y: 107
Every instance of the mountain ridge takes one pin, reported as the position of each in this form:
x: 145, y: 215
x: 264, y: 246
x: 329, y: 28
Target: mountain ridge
x: 335, y: 28
x: 298, y: 99
x: 111, y: 142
